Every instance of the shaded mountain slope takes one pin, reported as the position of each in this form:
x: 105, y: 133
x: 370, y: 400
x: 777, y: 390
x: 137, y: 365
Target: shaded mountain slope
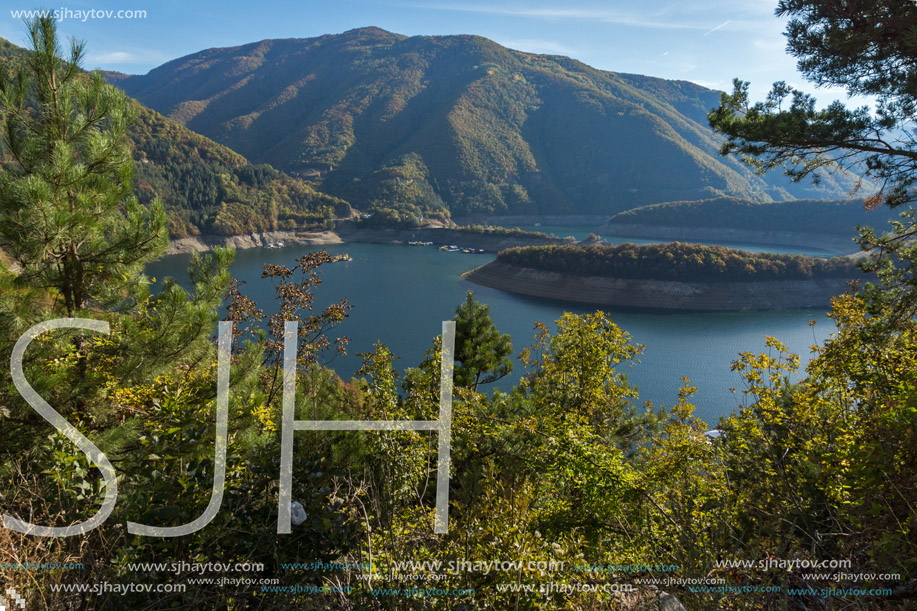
x: 415, y: 126
x: 824, y: 216
x: 205, y: 186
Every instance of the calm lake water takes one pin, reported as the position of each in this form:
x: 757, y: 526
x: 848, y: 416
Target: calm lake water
x: 401, y: 295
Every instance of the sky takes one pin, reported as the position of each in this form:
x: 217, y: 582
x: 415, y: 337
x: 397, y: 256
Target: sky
x: 708, y: 42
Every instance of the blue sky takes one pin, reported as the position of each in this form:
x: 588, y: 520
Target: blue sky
x: 706, y: 41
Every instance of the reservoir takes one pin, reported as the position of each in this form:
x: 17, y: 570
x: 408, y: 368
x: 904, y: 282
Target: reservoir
x: 402, y: 293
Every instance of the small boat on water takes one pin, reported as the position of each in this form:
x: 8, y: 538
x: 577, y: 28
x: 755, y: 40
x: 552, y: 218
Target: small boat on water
x: 271, y: 245
x: 462, y: 249
x: 419, y: 243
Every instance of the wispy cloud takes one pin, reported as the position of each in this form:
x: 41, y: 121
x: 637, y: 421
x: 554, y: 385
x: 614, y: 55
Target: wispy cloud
x: 537, y: 45
x: 134, y: 56
x: 585, y: 14
x: 717, y: 85
x: 722, y: 25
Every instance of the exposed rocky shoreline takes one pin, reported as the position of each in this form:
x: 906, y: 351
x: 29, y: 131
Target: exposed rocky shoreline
x: 659, y: 294
x: 203, y: 243
x: 490, y: 242
x: 349, y: 232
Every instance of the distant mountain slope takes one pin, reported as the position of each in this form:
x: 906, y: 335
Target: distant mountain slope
x: 205, y: 186
x: 426, y: 123
x: 818, y: 216
x: 208, y: 188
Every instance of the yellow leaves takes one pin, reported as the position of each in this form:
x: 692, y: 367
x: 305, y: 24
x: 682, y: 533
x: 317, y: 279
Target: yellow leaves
x: 765, y: 374
x: 575, y: 369
x: 266, y: 416
x: 143, y: 396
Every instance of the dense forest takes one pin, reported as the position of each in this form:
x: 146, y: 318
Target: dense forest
x: 208, y: 189
x: 204, y: 186
x: 506, y: 231
x: 839, y: 217
x: 676, y: 261
x: 458, y: 123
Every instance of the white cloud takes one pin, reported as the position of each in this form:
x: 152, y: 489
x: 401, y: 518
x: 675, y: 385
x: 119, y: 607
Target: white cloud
x: 133, y: 56
x: 115, y: 57
x: 718, y: 85
x: 722, y: 25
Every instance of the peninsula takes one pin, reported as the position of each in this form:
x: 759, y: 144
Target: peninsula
x: 670, y: 276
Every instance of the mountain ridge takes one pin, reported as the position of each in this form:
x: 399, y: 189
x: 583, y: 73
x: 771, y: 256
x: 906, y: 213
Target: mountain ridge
x: 205, y: 186
x: 437, y: 125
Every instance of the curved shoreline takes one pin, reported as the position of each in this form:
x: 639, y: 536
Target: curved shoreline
x: 346, y: 233
x: 204, y: 243
x: 658, y: 294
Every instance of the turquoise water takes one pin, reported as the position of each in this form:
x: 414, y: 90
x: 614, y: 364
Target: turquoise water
x: 401, y: 295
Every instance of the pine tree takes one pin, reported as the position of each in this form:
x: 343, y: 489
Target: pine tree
x: 67, y: 214
x: 868, y: 48
x: 481, y: 351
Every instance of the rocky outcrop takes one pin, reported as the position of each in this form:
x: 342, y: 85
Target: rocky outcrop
x: 490, y: 242
x: 829, y: 242
x: 350, y: 232
x: 204, y: 243
x: 667, y: 602
x: 659, y: 294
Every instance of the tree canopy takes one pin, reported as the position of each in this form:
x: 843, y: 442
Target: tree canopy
x: 68, y: 216
x: 868, y: 47
x: 481, y: 351
x: 677, y: 262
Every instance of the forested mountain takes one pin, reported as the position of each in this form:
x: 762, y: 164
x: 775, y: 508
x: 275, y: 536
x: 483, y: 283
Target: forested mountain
x: 817, y: 216
x: 424, y: 124
x: 208, y: 188
x: 205, y: 186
